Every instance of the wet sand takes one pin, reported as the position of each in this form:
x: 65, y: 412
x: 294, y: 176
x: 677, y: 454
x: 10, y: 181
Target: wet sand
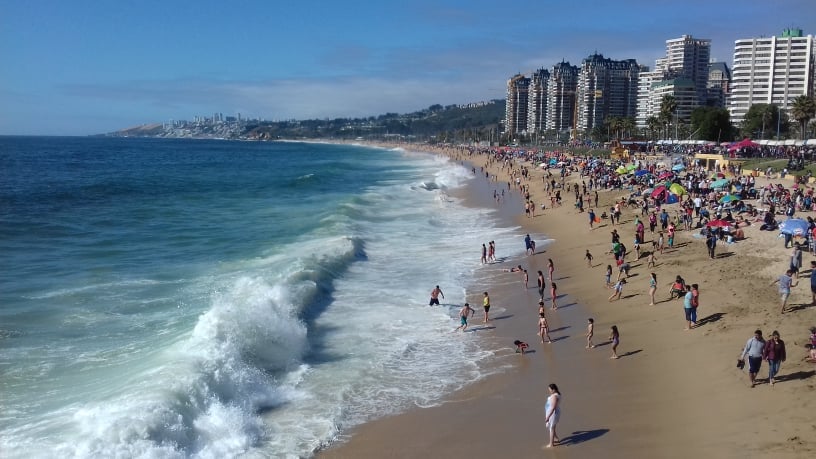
x: 673, y: 392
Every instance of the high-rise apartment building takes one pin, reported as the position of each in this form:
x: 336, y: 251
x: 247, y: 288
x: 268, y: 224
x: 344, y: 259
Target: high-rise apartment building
x: 685, y: 68
x: 561, y: 96
x: 719, y: 84
x: 515, y: 117
x: 605, y: 88
x: 771, y: 70
x: 537, y: 102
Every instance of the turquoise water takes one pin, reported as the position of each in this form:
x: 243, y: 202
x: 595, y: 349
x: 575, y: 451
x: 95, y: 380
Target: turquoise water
x: 190, y: 298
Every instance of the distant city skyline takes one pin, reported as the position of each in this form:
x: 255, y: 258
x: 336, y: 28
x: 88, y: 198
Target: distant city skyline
x: 78, y: 68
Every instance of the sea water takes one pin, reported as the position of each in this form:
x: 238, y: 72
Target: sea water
x: 192, y: 298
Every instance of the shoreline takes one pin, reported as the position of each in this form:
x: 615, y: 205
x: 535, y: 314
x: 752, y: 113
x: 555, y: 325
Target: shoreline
x: 673, y: 392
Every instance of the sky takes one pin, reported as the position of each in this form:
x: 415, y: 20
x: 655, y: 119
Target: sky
x: 88, y: 67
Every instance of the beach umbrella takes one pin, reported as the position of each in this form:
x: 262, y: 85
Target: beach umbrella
x: 794, y: 226
x: 672, y: 198
x: 665, y: 175
x: 641, y: 173
x: 677, y: 189
x: 719, y: 222
x: 728, y: 198
x: 647, y: 191
x: 678, y: 167
x: 630, y: 167
x: 721, y: 183
x: 621, y: 170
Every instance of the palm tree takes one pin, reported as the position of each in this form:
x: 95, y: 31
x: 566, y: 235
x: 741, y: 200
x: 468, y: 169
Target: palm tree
x: 668, y: 106
x: 653, y: 125
x: 803, y: 110
x: 628, y: 125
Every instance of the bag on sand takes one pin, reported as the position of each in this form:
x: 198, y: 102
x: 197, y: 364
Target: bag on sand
x: 740, y: 364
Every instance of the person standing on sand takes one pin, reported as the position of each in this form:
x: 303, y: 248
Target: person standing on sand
x: 785, y: 282
x: 542, y: 285
x: 695, y: 302
x: 774, y: 353
x: 813, y: 281
x: 591, y: 219
x: 608, y: 276
x: 753, y: 350
x: 652, y: 287
x: 553, y: 295
x: 687, y: 307
x: 614, y: 338
x: 552, y: 410
x: 463, y: 316
x: 550, y: 268
x: 486, y: 307
x: 543, y: 328
x: 525, y: 278
x: 590, y: 332
x: 435, y: 296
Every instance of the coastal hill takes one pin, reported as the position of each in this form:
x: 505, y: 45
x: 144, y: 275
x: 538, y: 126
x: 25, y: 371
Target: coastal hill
x: 444, y: 123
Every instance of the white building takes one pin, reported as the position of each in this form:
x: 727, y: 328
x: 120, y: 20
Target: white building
x: 645, y: 110
x: 537, y: 102
x: 515, y: 116
x: 605, y: 88
x: 771, y: 70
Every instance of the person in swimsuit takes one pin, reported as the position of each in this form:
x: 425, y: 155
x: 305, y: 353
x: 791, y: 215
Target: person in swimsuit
x: 521, y: 346
x: 541, y: 284
x: 435, y: 296
x: 652, y: 287
x: 553, y: 295
x: 614, y: 338
x: 543, y: 328
x: 463, y: 316
x: 590, y: 332
x: 550, y: 268
x: 484, y: 254
x: 486, y: 307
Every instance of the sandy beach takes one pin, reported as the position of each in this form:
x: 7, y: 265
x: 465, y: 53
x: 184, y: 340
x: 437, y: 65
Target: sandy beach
x: 672, y: 393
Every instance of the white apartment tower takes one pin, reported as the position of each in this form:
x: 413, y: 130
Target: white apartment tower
x: 561, y: 97
x: 537, y: 102
x: 605, y: 88
x: 687, y: 58
x: 771, y: 70
x: 515, y: 116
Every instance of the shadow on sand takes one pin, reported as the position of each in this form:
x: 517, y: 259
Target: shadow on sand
x: 581, y: 436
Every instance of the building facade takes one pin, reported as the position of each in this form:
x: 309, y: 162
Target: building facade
x: 537, y: 102
x: 605, y: 88
x: 515, y: 118
x: 561, y: 89
x: 771, y: 70
x: 719, y: 84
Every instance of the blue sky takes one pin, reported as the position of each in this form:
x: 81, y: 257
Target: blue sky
x: 86, y: 67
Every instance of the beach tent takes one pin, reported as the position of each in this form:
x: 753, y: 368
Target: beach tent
x: 722, y: 223
x: 678, y: 189
x: 621, y: 170
x: 746, y: 143
x: 665, y: 175
x: 641, y: 173
x: 721, y: 183
x: 673, y: 198
x: 678, y: 167
x: 658, y: 191
x: 728, y: 198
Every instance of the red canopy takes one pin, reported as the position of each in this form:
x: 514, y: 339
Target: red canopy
x: 745, y: 143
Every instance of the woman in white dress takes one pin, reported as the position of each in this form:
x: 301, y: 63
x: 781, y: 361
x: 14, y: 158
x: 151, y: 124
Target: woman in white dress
x: 553, y: 411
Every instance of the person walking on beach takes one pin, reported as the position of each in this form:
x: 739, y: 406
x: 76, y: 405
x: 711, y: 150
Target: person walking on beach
x: 785, y: 282
x: 550, y: 268
x: 541, y: 284
x: 543, y: 328
x: 590, y: 331
x: 652, y: 287
x: 753, y: 350
x: 484, y: 254
x: 608, y: 276
x: 435, y: 296
x: 614, y: 338
x: 525, y: 278
x: 687, y: 307
x: 553, y: 296
x: 552, y: 411
x: 527, y: 244
x: 486, y: 307
x: 711, y: 244
x: 463, y: 316
x: 591, y: 219
x: 588, y: 257
x: 774, y: 353
x: 618, y: 290
x: 491, y: 251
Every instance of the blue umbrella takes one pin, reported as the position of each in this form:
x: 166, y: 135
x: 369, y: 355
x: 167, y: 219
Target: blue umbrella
x: 719, y: 183
x: 794, y: 226
x: 641, y: 173
x: 728, y: 198
x: 678, y: 167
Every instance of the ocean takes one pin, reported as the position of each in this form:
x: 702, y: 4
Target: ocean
x: 199, y: 298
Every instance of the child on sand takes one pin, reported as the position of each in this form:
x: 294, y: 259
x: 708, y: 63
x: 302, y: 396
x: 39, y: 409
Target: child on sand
x: 550, y: 268
x: 614, y: 338
x: 521, y: 346
x: 486, y: 307
x: 525, y: 279
x: 650, y: 262
x: 543, y: 328
x: 553, y: 295
x: 588, y: 257
x: 608, y: 276
x: 590, y: 332
x: 618, y: 290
